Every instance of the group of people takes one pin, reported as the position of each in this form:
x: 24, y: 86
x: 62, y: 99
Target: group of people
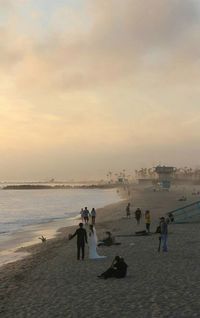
x: 118, y: 267
x: 87, y: 235
x: 138, y: 216
x: 84, y: 237
x: 85, y: 214
x: 162, y: 228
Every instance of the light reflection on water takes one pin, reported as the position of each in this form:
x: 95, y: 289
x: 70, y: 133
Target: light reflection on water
x: 27, y: 214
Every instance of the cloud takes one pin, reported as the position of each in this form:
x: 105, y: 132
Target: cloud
x: 120, y: 40
x: 113, y: 76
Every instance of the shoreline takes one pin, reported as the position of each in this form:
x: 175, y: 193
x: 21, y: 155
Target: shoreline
x: 57, y: 186
x: 158, y: 285
x: 60, y: 232
x: 56, y: 230
x: 29, y: 236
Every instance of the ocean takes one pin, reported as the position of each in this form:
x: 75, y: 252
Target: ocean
x: 27, y: 214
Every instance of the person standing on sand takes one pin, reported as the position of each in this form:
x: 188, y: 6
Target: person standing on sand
x: 81, y: 240
x: 82, y: 215
x: 93, y: 244
x: 147, y: 220
x: 86, y: 215
x: 138, y: 215
x: 128, y: 212
x: 164, y: 233
x: 93, y: 215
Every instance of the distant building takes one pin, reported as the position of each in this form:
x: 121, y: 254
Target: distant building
x: 165, y: 176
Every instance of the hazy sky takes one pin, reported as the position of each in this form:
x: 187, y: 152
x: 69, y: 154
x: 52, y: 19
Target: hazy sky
x: 88, y: 86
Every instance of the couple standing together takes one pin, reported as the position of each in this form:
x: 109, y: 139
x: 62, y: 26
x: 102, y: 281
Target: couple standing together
x: 82, y: 238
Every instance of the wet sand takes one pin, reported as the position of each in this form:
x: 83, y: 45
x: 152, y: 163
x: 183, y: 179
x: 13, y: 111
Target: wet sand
x: 52, y: 283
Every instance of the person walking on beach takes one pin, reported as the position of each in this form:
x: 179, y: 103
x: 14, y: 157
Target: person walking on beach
x: 138, y: 215
x: 81, y: 240
x: 93, y: 215
x: 82, y: 215
x: 164, y: 233
x: 128, y: 212
x: 147, y: 220
x: 86, y: 215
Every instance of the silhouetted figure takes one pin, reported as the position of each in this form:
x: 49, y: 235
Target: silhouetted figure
x: 164, y: 233
x: 86, y: 215
x: 108, y: 241
x: 82, y: 215
x: 93, y: 215
x: 81, y: 240
x: 128, y: 212
x: 138, y: 215
x: 118, y: 269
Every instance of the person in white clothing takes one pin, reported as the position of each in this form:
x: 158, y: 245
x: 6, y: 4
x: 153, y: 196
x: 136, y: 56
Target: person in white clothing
x: 93, y: 244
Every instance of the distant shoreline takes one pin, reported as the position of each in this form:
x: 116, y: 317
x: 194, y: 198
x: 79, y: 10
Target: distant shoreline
x: 60, y: 186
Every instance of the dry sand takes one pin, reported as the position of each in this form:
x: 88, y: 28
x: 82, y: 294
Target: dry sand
x: 51, y: 283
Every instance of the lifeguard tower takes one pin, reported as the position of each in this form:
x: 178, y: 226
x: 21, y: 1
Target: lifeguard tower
x: 165, y: 175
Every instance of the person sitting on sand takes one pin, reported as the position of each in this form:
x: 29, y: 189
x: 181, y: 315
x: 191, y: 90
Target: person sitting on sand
x: 117, y: 269
x: 108, y: 241
x: 183, y: 198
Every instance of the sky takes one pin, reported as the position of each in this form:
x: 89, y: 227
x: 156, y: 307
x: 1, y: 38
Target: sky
x: 91, y: 86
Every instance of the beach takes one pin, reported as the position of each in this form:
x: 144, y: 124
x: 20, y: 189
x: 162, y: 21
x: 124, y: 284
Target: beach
x: 26, y: 215
x: 51, y: 283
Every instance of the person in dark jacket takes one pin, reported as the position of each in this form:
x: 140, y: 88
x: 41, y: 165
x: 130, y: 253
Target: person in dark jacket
x: 81, y: 240
x: 138, y: 215
x: 118, y: 269
x: 164, y: 233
